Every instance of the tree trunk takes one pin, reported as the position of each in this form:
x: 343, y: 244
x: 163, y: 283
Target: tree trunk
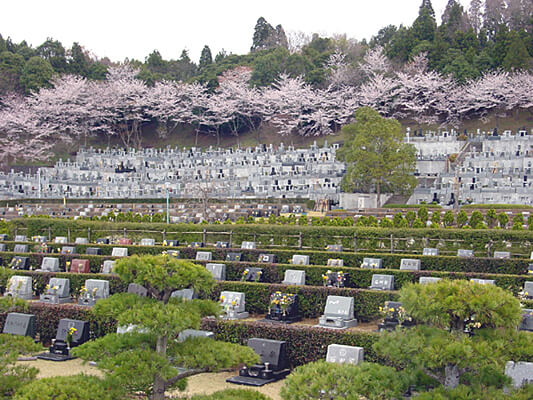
x: 159, y: 383
x: 451, y: 376
x: 378, y: 191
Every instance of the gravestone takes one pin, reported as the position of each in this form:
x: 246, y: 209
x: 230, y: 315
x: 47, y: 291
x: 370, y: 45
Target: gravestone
x: 294, y: 277
x: 341, y: 354
x: 530, y: 269
x: 147, y: 242
x: 196, y: 244
x: 20, y: 324
x: 527, y: 320
x: 390, y: 320
x: 81, y: 240
x: 139, y: 290
x: 483, y: 281
x: 59, y: 351
x: 58, y: 291
x: 410, y: 264
x: 50, y: 264
x: 108, y: 266
x: 19, y: 262
x: 382, y: 282
x: 300, y: 260
x: 20, y: 248
x: 102, y: 241
x: 283, y: 307
x: 60, y: 240
x: 125, y: 242
x: 335, y: 262
x: 528, y: 289
x: 335, y: 278
x: 234, y: 305
x: 121, y: 329
x: 252, y: 275
x: 39, y: 239
x: 21, y: 238
x: 430, y: 251
x: 80, y: 266
x: 217, y: 270
x: 334, y: 247
x: 521, y: 372
x: 222, y: 245
x: 338, y: 313
x: 119, y: 252
x: 2, y: 247
x: 204, y: 256
x: 465, y: 253
x: 68, y: 250
x: 267, y: 258
x: 185, y: 294
x: 234, y: 257
x: 248, y: 245
x: 428, y: 279
x: 194, y: 333
x: 372, y: 263
x: 502, y: 254
x: 19, y: 287
x: 272, y: 367
x: 96, y: 289
x: 171, y: 243
x: 172, y: 253
x: 93, y: 251
x: 3, y: 236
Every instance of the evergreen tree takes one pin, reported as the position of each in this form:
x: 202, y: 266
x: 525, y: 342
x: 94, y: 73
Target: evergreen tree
x: 517, y: 56
x: 78, y: 64
x: 205, y: 58
x: 37, y: 73
x: 425, y: 25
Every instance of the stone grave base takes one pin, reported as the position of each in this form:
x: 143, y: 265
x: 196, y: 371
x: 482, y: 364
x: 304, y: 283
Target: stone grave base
x: 285, y: 320
x: 87, y: 302
x: 336, y: 323
x: 248, y: 380
x: 55, y: 357
x: 235, y: 315
x: 50, y: 299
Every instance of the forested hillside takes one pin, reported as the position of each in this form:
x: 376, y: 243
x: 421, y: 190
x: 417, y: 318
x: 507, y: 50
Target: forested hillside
x: 477, y: 61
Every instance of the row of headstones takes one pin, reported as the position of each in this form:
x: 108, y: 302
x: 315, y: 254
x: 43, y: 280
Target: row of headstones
x: 273, y: 365
x: 427, y: 251
x: 93, y: 251
x: 58, y: 290
x: 51, y: 264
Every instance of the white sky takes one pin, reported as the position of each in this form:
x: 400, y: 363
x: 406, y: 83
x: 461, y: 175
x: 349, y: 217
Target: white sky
x: 133, y: 28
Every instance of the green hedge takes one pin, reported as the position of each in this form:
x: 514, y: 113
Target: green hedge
x: 312, y: 237
x: 304, y: 343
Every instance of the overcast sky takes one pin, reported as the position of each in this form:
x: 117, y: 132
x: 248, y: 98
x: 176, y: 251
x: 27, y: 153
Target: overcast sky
x: 133, y: 28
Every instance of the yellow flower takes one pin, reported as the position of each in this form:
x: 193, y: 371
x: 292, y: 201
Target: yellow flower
x: 47, y: 286
x: 55, y: 288
x: 391, y: 309
x: 380, y: 308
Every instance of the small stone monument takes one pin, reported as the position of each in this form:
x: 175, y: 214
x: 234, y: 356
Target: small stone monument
x: 57, y: 291
x: 372, y: 263
x: 294, y: 277
x: 185, y: 294
x: 95, y: 289
x: 338, y: 313
x: 520, y: 372
x: 70, y: 333
x: 21, y: 238
x: 19, y: 287
x: 19, y: 262
x: 217, y: 270
x: 194, y: 333
x: 195, y: 245
x: 222, y: 245
x: 334, y: 247
x: 204, y: 256
x: 483, y: 281
x: 252, y: 274
x: 465, y: 253
x: 283, y: 307
x: 125, y: 242
x: 81, y: 240
x: 528, y: 289
x: 108, y: 266
x: 298, y: 259
x: 382, y: 282
x: 20, y: 248
x: 335, y: 262
x: 171, y: 243
x: 68, y: 250
x: 147, y: 242
x: 267, y: 258
x: 60, y: 240
x: 93, y: 251
x: 234, y: 257
x: 137, y: 289
x: 102, y: 241
x: 233, y: 304
x: 502, y: 254
x: 527, y: 320
x: 410, y: 264
x: 430, y: 251
x: 119, y: 252
x: 341, y: 354
x: 428, y: 279
x: 20, y: 324
x: 335, y: 278
x: 50, y: 264
x: 79, y: 266
x: 248, y: 245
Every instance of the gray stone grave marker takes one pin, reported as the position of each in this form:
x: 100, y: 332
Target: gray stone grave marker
x: 60, y: 240
x: 217, y: 270
x: 335, y: 262
x: 527, y: 320
x: 20, y: 248
x: 81, y: 240
x: 334, y: 247
x: 372, y: 262
x: 186, y: 294
x: 93, y: 251
x: 119, y: 252
x: 465, y: 253
x: 341, y: 354
x: 193, y: 333
x: 294, y: 277
x: 338, y: 313
x: 50, y: 264
x: 234, y: 257
x: 204, y: 256
x: 58, y: 291
x: 483, y: 281
x: 502, y: 254
x: 137, y: 289
x: 430, y: 251
x: 147, y: 242
x: 410, y: 264
x: 2, y: 247
x: 108, y: 266
x: 248, y: 245
x: 298, y: 259
x: 382, y: 282
x: 21, y: 238
x: 20, y: 324
x: 428, y: 279
x: 19, y: 287
x: 520, y: 372
x: 267, y: 258
x: 234, y: 304
x: 68, y: 250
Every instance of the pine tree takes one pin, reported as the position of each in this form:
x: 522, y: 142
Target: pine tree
x: 517, y: 56
x: 205, y: 58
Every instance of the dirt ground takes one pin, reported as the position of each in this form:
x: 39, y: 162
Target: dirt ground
x: 198, y: 384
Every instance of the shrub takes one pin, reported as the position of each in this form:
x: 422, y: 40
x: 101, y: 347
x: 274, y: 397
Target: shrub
x: 233, y: 394
x: 462, y: 219
x: 75, y: 387
x: 475, y: 219
x: 322, y: 380
x: 423, y: 214
x: 503, y: 220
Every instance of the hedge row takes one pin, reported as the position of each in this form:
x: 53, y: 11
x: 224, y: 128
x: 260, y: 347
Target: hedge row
x: 314, y: 237
x: 304, y: 343
x: 312, y: 298
x: 513, y: 266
